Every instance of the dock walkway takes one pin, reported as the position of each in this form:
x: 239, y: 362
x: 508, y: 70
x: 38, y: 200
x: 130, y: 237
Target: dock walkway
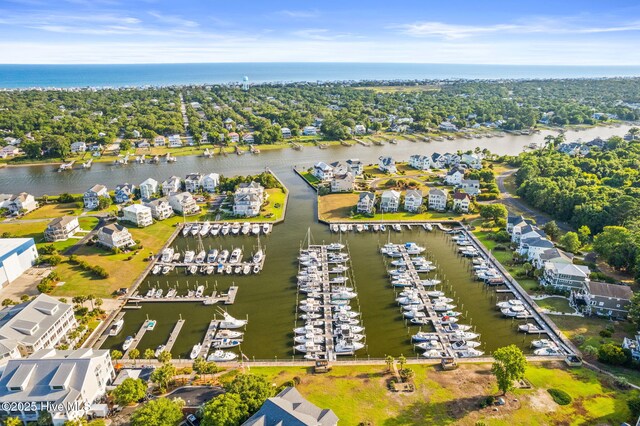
x: 174, y: 335
x: 212, y: 330
x: 136, y: 339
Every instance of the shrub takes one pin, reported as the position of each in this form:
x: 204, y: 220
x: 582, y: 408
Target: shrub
x: 612, y: 354
x: 559, y: 396
x: 634, y: 406
x: 66, y: 198
x: 488, y: 401
x: 605, y: 333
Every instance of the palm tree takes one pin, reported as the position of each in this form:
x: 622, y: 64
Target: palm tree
x: 134, y: 354
x: 149, y: 353
x: 116, y: 354
x: 402, y: 361
x: 164, y: 357
x: 389, y: 360
x: 549, y: 141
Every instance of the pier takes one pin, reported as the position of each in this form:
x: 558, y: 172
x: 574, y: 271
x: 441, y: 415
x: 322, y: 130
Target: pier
x: 226, y: 298
x: 105, y: 334
x: 174, y: 335
x: 139, y: 335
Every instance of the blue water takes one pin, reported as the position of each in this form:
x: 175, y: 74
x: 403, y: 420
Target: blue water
x: 24, y: 76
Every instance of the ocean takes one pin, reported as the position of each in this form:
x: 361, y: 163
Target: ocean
x: 136, y: 75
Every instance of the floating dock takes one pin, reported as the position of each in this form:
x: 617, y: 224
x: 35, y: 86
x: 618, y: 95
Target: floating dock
x: 226, y: 298
x: 174, y: 335
x: 136, y: 339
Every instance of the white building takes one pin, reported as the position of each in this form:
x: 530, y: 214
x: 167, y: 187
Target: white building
x: 210, y: 182
x: 61, y: 228
x: 343, y: 182
x: 148, y: 188
x: 183, y: 203
x: 159, y: 141
x: 322, y: 171
x: 248, y: 138
x: 173, y: 184
x: 366, y: 202
x: 9, y: 151
x: 565, y: 275
x: 470, y: 186
x: 286, y: 132
x: 357, y: 168
x: 461, y: 202
x: 413, y: 200
x: 138, y: 214
x: 160, y: 208
x: 78, y: 147
x: 454, y: 176
x: 193, y: 182
x: 387, y: 165
x: 115, y: 236
x: 420, y: 162
x: 359, y: 129
x: 438, y: 199
x: 67, y: 381
x: 474, y: 161
x: 448, y: 127
x: 309, y: 131
x: 390, y: 201
x: 16, y: 256
x: 234, y: 137
x: 175, y: 141
x: 22, y: 203
x: 248, y: 199
x: 92, y: 197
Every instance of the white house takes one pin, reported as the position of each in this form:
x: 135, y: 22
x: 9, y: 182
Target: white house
x: 159, y: 141
x: 115, y: 236
x: 322, y: 171
x: 61, y: 228
x: 474, y: 161
x: 359, y: 129
x: 148, y: 188
x: 248, y: 199
x: 183, y: 203
x: 420, y: 162
x: 309, y: 131
x: 77, y: 147
x: 160, y: 208
x: 448, y: 127
x: 387, y: 165
x: 290, y: 408
x: 9, y: 151
x: 438, y: 199
x: 173, y: 184
x: 16, y: 256
x: 22, y: 203
x: 69, y: 382
x: 437, y: 161
x: 91, y: 198
x: 286, y: 132
x: 234, y: 137
x: 357, y: 168
x: 390, y: 201
x: 175, y: 141
x: 248, y: 138
x: 123, y: 193
x: 533, y: 247
x: 526, y: 231
x: 454, y: 176
x: 138, y: 214
x: 210, y: 182
x: 193, y: 182
x: 554, y: 255
x: 461, y: 202
x: 565, y: 275
x: 366, y: 202
x: 343, y: 182
x: 470, y: 186
x: 514, y: 220
x: 413, y: 200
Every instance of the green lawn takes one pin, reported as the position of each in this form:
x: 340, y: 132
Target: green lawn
x: 555, y: 304
x: 309, y: 177
x: 268, y: 213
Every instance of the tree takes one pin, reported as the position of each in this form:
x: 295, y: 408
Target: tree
x: 617, y: 246
x: 130, y: 390
x: 149, y: 353
x: 402, y: 361
x: 584, y: 234
x: 224, y: 410
x: 493, y: 212
x: 104, y: 202
x: 116, y: 354
x: 134, y: 354
x: 571, y: 242
x: 509, y: 365
x: 633, y: 403
x: 551, y: 229
x: 162, y: 411
x: 13, y: 421
x: 389, y: 360
x: 610, y: 353
x: 163, y: 375
x: 253, y: 390
x: 165, y: 357
x: 44, y: 418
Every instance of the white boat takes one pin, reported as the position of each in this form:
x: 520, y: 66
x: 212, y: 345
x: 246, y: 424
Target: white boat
x: 224, y: 230
x: 313, y: 338
x: 383, y: 228
x: 215, y: 229
x: 434, y: 353
x: 221, y: 356
x: 189, y: 255
x: 334, y: 228
x: 257, y: 258
x: 200, y: 291
x: 543, y: 343
x: 167, y: 255
x: 345, y: 347
x: 151, y: 324
x: 309, y: 347
x: 396, y: 227
x: 359, y: 228
x: 230, y: 322
x: 166, y: 270
x: 225, y: 343
x: 228, y: 269
x: 236, y: 256
x: 151, y: 292
x: 237, y: 269
x: 116, y: 327
x: 186, y: 229
x: 159, y: 293
x: 255, y: 269
x: 464, y: 344
x: 446, y: 320
x: 513, y: 311
x: 344, y: 227
x: 127, y: 343
x: 430, y: 283
x: 171, y: 293
x: 235, y: 228
x: 435, y: 293
x: 201, y: 256
x: 212, y: 256
x: 246, y: 269
x: 223, y: 256
x: 206, y: 227
x: 156, y: 269
x: 159, y: 350
x: 413, y: 248
x: 266, y: 228
x: 335, y: 246
x: 430, y: 345
x: 469, y: 353
x: 375, y: 227
x: 195, y: 229
x: 228, y: 334
x: 550, y: 351
x: 193, y: 269
x: 255, y: 228
x: 509, y: 303
x: 246, y: 228
x: 195, y: 351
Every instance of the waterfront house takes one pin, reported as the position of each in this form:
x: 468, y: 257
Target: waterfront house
x: 366, y: 202
x: 22, y: 203
x: 234, y: 137
x: 143, y: 144
x: 289, y: 408
x: 17, y: 255
x: 159, y: 141
x: 193, y: 182
x: 173, y: 184
x: 69, y: 382
x: 565, y: 276
x: 210, y: 182
x: 420, y: 162
x: 438, y: 199
x: 148, y: 188
x: 447, y: 126
x: 309, y: 131
x: 602, y: 299
x: 286, y: 132
x: 91, y: 198
x: 78, y: 147
x: 138, y: 214
x: 474, y: 161
x: 389, y: 201
x: 183, y: 203
x: 248, y: 138
x: 9, y: 151
x: 551, y: 255
x: 160, y: 208
x: 322, y: 171
x: 470, y: 186
x: 513, y: 221
x: 357, y: 168
x: 61, y: 228
x: 41, y: 323
x: 451, y: 159
x: 359, y: 129
x: 413, y: 200
x: 115, y: 236
x: 461, y: 202
x: 533, y: 247
x: 342, y: 182
x: 525, y: 230
x: 387, y: 165
x: 437, y: 161
x: 454, y: 176
x: 570, y: 148
x: 248, y: 199
x: 136, y: 133
x: 175, y: 141
x: 123, y: 193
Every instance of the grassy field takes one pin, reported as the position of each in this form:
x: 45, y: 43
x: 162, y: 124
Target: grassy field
x: 51, y: 211
x: 359, y: 394
x: 555, y: 304
x: 35, y: 230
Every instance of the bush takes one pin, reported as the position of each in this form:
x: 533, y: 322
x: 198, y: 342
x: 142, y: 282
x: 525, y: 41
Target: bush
x: 66, y: 198
x: 634, y: 406
x: 612, y: 354
x: 605, y: 333
x: 488, y: 401
x: 559, y: 396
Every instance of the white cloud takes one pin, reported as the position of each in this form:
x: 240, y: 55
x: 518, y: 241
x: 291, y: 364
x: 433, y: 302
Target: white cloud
x: 173, y: 20
x: 300, y: 13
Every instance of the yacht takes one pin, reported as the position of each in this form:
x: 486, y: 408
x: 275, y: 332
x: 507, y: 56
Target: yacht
x: 334, y: 228
x: 212, y: 256
x: 313, y: 338
x: 430, y: 345
x: 186, y: 229
x: 225, y: 343
x: 344, y: 227
x: 266, y: 228
x: 159, y: 293
x: 228, y: 269
x: 151, y: 292
x: 464, y: 344
x: 127, y: 343
x: 423, y: 336
x: 339, y: 269
x: 156, y: 269
x: 359, y: 228
x: 167, y: 255
x: 230, y: 322
x: 346, y: 347
x: 228, y: 334
x: 383, y: 228
x: 171, y: 293
x: 396, y: 227
x: 204, y: 231
x: 116, y: 327
x: 237, y: 269
x: 550, y: 351
x: 513, y: 311
x: 221, y: 356
x: 224, y: 230
x: 430, y: 283
x: 195, y: 229
x: 309, y: 347
x: 246, y: 269
x: 435, y: 293
x: 375, y: 227
x: 159, y: 350
x: 401, y: 283
x: 201, y: 256
x: 235, y: 228
x: 446, y: 320
x: 246, y: 228
x: 543, y: 343
x: 456, y: 328
x: 462, y: 335
x: 220, y: 268
x: 413, y: 248
x: 236, y: 256
x: 151, y: 324
x: 257, y: 258
x: 193, y: 269
x: 223, y: 256
x: 195, y: 351
x: 189, y: 255
x: 166, y: 270
x: 200, y: 291
x: 215, y: 229
x: 434, y: 353
x: 335, y: 246
x: 509, y: 303
x: 255, y: 269
x: 469, y: 353
x: 255, y: 228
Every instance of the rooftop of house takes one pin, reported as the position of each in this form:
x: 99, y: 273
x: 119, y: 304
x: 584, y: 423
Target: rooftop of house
x: 438, y: 192
x: 61, y: 221
x: 112, y: 228
x: 568, y: 269
x: 366, y: 196
x: 97, y: 188
x: 136, y: 208
x: 413, y: 193
x: 459, y: 195
x: 617, y: 291
x: 290, y: 408
x: 537, y: 242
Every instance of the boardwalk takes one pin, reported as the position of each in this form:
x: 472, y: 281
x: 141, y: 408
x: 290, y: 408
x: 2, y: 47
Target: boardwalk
x: 174, y: 335
x: 139, y: 335
x: 212, y: 330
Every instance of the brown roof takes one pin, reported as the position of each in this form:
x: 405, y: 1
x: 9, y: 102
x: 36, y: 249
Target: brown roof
x: 460, y: 195
x: 618, y: 291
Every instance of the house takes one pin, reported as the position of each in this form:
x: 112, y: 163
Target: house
x: 210, y: 182
x: 183, y: 203
x: 357, y: 168
x: 286, y: 132
x: 387, y: 165
x: 451, y: 159
x: 565, y: 276
x: 248, y: 138
x: 13, y: 141
x: 41, y: 323
x: 570, y: 148
x: 68, y: 383
x: 322, y: 171
x: 343, y: 182
x: 16, y: 256
x: 454, y: 176
x: 144, y: 144
x: 234, y: 137
x: 228, y: 123
x: 551, y: 255
x: 420, y: 162
x: 77, y: 147
x: 461, y: 202
x: 513, y: 221
x: 138, y: 214
x: 474, y: 161
x: 359, y: 129
x: 160, y: 208
x: 470, y: 186
x: 248, y: 199
x: 438, y: 199
x: 123, y: 193
x: 115, y: 236
x: 602, y: 299
x: 289, y: 408
x: 533, y: 247
x: 91, y: 198
x: 366, y: 202
x: 309, y: 131
x: 390, y: 201
x: 136, y: 133
x: 633, y: 345
x: 413, y: 200
x: 175, y: 141
x: 447, y: 126
x: 525, y: 230
x: 193, y: 182
x: 159, y: 141
x: 9, y: 151
x: 22, y: 203
x: 173, y: 184
x: 148, y: 188
x: 437, y: 161
x: 61, y: 228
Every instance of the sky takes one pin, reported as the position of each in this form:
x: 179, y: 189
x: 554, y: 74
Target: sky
x: 541, y: 32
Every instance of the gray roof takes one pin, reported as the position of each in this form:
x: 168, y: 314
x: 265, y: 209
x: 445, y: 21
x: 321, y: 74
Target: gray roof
x: 437, y: 191
x: 60, y: 222
x: 156, y: 202
x: 617, y: 291
x: 514, y: 220
x: 413, y: 193
x: 555, y: 253
x: 289, y: 408
x: 112, y: 228
x: 97, y: 188
x: 366, y: 196
x: 537, y: 242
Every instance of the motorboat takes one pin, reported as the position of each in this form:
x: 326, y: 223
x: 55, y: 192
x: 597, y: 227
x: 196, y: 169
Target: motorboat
x: 434, y: 353
x: 435, y: 293
x: 464, y: 344
x: 230, y: 322
x: 413, y: 248
x: 308, y: 329
x: 225, y: 343
x: 185, y: 229
x: 346, y: 347
x: 255, y: 228
x: 237, y: 269
x: 375, y: 227
x: 401, y: 283
x: 151, y: 324
x: 235, y: 228
x: 220, y: 268
x: 167, y: 255
x: 313, y: 338
x: 204, y: 231
x: 450, y: 313
x: 212, y: 256
x: 338, y: 280
x: 224, y: 230
x: 344, y: 227
x: 543, y: 343
x: 423, y: 336
x: 359, y: 228
x: 189, y: 255
x: 127, y: 343
x: 334, y: 228
x: 255, y: 269
x: 246, y: 228
x: 550, y: 351
x: 195, y: 351
x: 176, y: 257
x: 236, y: 256
x: 156, y: 269
x: 257, y: 257
x: 171, y: 293
x: 221, y: 356
x: 215, y: 229
x: 442, y: 307
x: 513, y: 311
x: 195, y: 229
x: 430, y: 283
x: 423, y: 268
x: 309, y: 347
x: 228, y: 269
x: 409, y: 300
x: 200, y: 291
x: 193, y: 269
x: 350, y: 227
x: 266, y: 228
x: 428, y: 227
x: 223, y: 256
x: 159, y: 350
x: 343, y: 295
x: 430, y: 344
x: 310, y: 316
x: 383, y: 228
x: 456, y: 328
x: 414, y: 313
x: 201, y: 256
x: 462, y: 335
x: 159, y: 293
x: 335, y: 246
x: 166, y: 270
x: 469, y: 353
x: 509, y: 303
x: 246, y: 269
x: 347, y: 328
x: 396, y: 227
x: 446, y: 320
x: 116, y: 327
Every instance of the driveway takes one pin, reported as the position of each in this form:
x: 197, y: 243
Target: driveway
x: 195, y: 396
x: 26, y: 283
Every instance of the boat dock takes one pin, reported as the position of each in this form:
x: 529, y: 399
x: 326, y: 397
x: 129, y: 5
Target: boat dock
x: 227, y: 298
x: 138, y: 337
x: 105, y: 335
x: 174, y: 335
x: 212, y: 330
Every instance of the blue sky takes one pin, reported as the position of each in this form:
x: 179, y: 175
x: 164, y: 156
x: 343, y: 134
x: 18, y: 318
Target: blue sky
x: 482, y: 31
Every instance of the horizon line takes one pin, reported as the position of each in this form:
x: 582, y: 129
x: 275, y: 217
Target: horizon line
x: 323, y: 62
